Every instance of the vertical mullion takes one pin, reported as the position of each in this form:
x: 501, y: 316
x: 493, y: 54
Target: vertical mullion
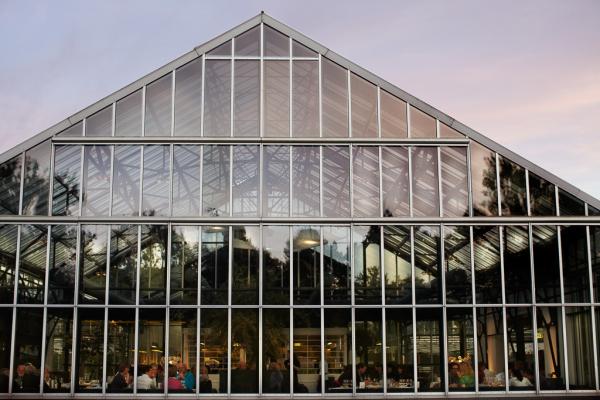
x: 527, y: 193
x: 260, y: 305
x: 505, y: 339
x: 144, y: 110
x: 166, y: 344
x: 379, y: 115
x: 135, y: 347
x: 11, y: 362
x: 410, y: 181
x: 201, y: 202
x: 111, y: 182
x: 43, y: 355
x: 230, y: 180
x: 203, y: 61
x: 556, y: 201
x: 349, y: 105
x: 104, y: 349
x: 322, y: 296
x: 408, y: 121
x: 74, y: 342
x: 475, y: 341
x: 414, y: 343
x: 498, y: 194
x: 536, y: 349
x: 351, y: 174
x: 380, y: 165
x: 259, y: 206
x: 439, y: 182
x: 141, y: 197
x: 291, y: 86
x: 442, y: 230
x: 232, y: 92
x: 198, y: 349
x: 21, y: 185
x: 383, y: 318
x: 80, y: 200
x: 171, y: 156
x: 594, y: 339
x: 320, y: 95
x: 173, y: 104
x: 291, y: 174
x: 261, y: 90
x: 51, y: 188
x: 229, y: 297
x: 168, y: 263
x: 352, y: 304
x: 469, y: 180
x: 321, y: 188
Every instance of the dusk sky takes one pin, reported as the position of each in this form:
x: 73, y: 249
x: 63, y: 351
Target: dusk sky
x: 524, y: 73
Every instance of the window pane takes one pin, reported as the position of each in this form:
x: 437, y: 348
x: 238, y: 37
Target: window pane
x: 513, y: 192
x: 10, y: 181
x: 32, y: 264
x: 305, y: 181
x: 430, y: 350
x: 92, y: 264
x: 461, y: 374
x: 246, y: 161
x: 365, y: 162
x: 67, y: 167
x: 275, y: 350
x: 63, y: 256
x: 517, y: 264
x: 183, y: 350
x: 455, y: 186
x: 96, y: 180
x: 369, y: 358
x: 157, y: 181
x: 128, y: 117
x: 299, y: 50
x: 120, y: 349
x: 334, y: 89
x: 151, y: 345
x: 215, y: 181
x: 248, y: 43
x: 221, y: 50
x: 276, y: 264
x: 8, y: 254
x: 307, y: 264
x: 336, y: 259
x: 338, y: 350
x: 397, y: 261
x: 123, y: 264
x: 215, y: 264
x: 89, y: 350
x: 336, y: 181
x: 186, y: 180
x: 399, y: 351
x: 595, y: 254
x: 421, y: 124
x: 457, y: 257
x: 367, y: 264
x: 541, y: 196
x: 570, y: 205
x: 428, y: 275
x: 59, y: 344
x: 27, y: 350
x: 449, y: 133
x: 217, y: 98
x: 72, y: 131
x: 244, y: 281
x: 213, y: 350
x: 276, y: 43
x: 276, y: 181
x: 521, y: 358
x: 393, y: 116
x: 307, y: 351
x: 246, y: 98
x: 158, y: 107
x: 580, y: 348
x: 364, y: 107
x: 277, y: 98
x: 483, y: 177
x: 305, y: 99
x: 100, y: 124
x: 425, y: 184
x: 153, y: 264
x: 486, y: 257
x: 126, y: 181
x: 37, y: 179
x: 490, y: 348
x: 188, y: 99
x: 244, y: 350
x: 575, y: 264
x: 184, y: 265
x: 395, y: 181
x: 550, y: 348
x: 546, y: 266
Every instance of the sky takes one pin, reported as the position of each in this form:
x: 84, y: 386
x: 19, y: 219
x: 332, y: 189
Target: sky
x: 524, y: 73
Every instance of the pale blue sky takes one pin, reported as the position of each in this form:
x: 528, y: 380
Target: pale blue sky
x: 524, y: 73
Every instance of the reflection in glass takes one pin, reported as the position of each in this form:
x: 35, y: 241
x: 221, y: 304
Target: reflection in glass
x: 276, y: 44
x: 67, y: 168
x: 10, y: 180
x: 182, y: 348
x: 63, y: 259
x: 276, y: 264
x: 486, y: 259
x: 595, y: 255
x: 365, y: 163
x: 153, y: 264
x: 580, y: 350
x: 573, y: 242
x: 126, y: 181
x: 276, y: 181
x: 186, y: 180
x: 399, y: 351
x: 59, y: 342
x: 120, y: 350
x: 92, y: 264
x: 550, y: 348
x: 369, y: 355
x: 214, y: 274
x: 307, y: 351
x: 32, y: 264
x: 100, y: 123
x: 569, y: 204
x: 246, y: 161
x: 455, y: 197
x: 364, y: 107
x: 421, y: 124
x: 394, y: 179
x: 158, y: 107
x: 217, y: 98
x: 513, y: 192
x: 37, y: 179
x: 457, y: 257
x: 338, y: 350
x: 520, y: 350
x: 276, y: 98
x: 157, y: 181
x: 305, y: 181
x: 151, y: 349
x: 27, y: 350
x: 461, y: 350
x: 305, y: 99
x: 541, y: 196
x: 430, y: 350
x: 367, y: 264
x: 188, y: 99
x: 89, y: 350
x: 213, y: 350
x: 545, y: 264
x: 8, y: 254
x: 393, y: 116
x: 490, y: 348
x: 483, y: 181
x: 123, y: 264
x: 334, y: 92
x: 336, y: 181
x: 425, y: 186
x: 244, y: 269
x: 128, y: 117
x: 244, y: 350
x: 517, y: 264
x: 427, y: 257
x: 397, y: 262
x: 248, y: 43
x: 96, y: 180
x: 307, y: 264
x: 184, y: 264
x: 275, y: 350
x: 246, y: 100
x: 215, y: 181
x: 336, y: 268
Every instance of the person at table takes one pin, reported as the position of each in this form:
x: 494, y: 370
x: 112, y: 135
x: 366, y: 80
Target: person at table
x: 518, y: 380
x: 189, y: 378
x: 173, y: 381
x: 121, y: 380
x: 25, y: 382
x: 205, y: 382
x: 467, y: 375
x: 361, y: 372
x: 345, y: 379
x: 147, y: 381
x: 454, y: 378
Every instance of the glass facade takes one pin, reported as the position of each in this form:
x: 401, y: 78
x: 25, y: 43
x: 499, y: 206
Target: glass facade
x: 262, y: 220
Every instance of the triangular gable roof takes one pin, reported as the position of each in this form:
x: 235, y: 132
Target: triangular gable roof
x: 325, y: 52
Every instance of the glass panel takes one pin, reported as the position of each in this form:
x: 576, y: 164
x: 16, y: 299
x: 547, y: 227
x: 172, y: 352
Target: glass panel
x: 483, y: 181
x: 307, y: 351
x: 338, y: 350
x: 449, y: 133
x: 277, y: 99
x: 188, y: 99
x: 513, y: 192
x: 545, y: 263
x: 299, y: 50
x: 517, y: 264
x: 455, y: 185
x: 276, y: 181
x: 275, y: 350
x: 221, y: 50
x: 182, y: 351
x: 461, y: 350
x: 570, y: 205
x: 305, y: 181
x: 364, y: 107
x: 215, y: 264
x: 63, y: 256
x: 336, y: 181
x: 32, y: 264
x: 8, y: 254
x: 490, y: 349
x: 10, y: 181
x: 334, y: 92
x: 421, y: 124
x: 89, y: 350
x: 153, y: 264
x: 157, y: 181
x: 399, y: 350
x: 276, y: 264
x: 67, y: 167
x: 595, y: 254
x: 305, y: 99
x: 486, y: 257
x: 425, y: 184
x: 213, y: 350
x: 100, y: 124
x: 123, y: 264
x: 120, y: 349
x: 367, y: 264
x: 580, y: 349
x: 37, y: 179
x: 457, y: 257
x: 593, y: 211
x: 521, y: 358
x: 244, y: 279
x: 393, y: 116
x: 27, y: 350
x: 276, y: 44
x: 184, y: 265
x: 307, y: 264
x: 215, y: 181
x: 430, y: 350
x: 246, y: 161
x: 246, y: 103
x: 550, y: 349
x: 244, y: 350
x: 248, y: 43
x: 397, y: 262
x: 59, y: 344
x: 369, y: 356
x: 74, y: 130
x: 365, y: 172
x: 336, y: 268
x: 576, y: 279
x: 158, y: 107
x: 126, y: 181
x: 428, y: 274
x: 217, y: 98
x: 541, y: 196
x: 92, y: 264
x: 395, y: 181
x: 128, y: 117
x: 96, y: 180
x: 186, y: 180
x: 151, y: 345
